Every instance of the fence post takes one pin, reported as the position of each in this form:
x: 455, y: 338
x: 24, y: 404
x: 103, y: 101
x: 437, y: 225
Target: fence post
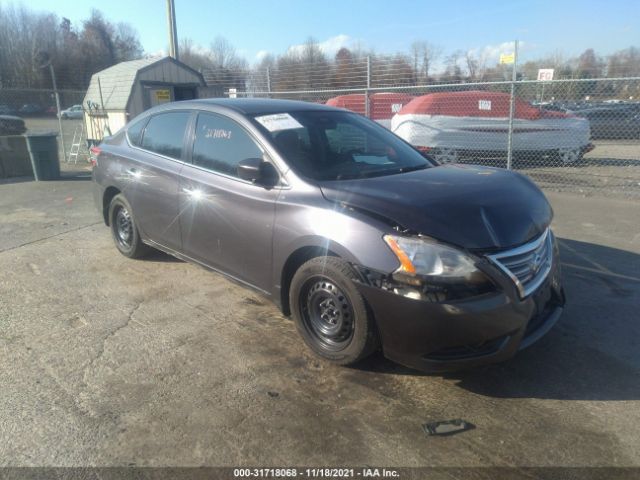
x: 367, y: 112
x: 512, y: 105
x: 269, y: 82
x: 58, y: 109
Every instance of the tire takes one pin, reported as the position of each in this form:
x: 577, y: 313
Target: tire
x: 330, y: 313
x: 124, y: 230
x: 568, y: 156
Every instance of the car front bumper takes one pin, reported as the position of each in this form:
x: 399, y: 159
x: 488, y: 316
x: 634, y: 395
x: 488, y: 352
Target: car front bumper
x: 438, y: 337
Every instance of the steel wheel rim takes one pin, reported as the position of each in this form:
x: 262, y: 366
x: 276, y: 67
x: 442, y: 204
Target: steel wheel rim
x: 569, y: 156
x: 124, y: 227
x: 327, y: 313
x: 447, y: 155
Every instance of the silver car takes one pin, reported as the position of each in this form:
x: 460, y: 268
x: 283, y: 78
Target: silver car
x: 75, y: 111
x: 365, y: 242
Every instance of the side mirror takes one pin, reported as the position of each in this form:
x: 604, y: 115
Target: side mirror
x: 256, y: 170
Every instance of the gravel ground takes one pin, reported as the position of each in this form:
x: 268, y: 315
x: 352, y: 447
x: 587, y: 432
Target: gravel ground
x: 109, y: 361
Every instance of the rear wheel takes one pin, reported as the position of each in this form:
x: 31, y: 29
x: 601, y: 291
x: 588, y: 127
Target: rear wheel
x: 330, y: 313
x: 124, y: 230
x: 569, y: 155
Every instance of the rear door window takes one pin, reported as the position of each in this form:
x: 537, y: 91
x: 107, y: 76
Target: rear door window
x: 164, y: 134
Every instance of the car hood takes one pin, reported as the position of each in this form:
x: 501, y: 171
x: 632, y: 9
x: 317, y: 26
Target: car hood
x: 472, y: 207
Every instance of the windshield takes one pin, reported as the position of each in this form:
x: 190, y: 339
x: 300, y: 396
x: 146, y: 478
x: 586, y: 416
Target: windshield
x: 326, y: 145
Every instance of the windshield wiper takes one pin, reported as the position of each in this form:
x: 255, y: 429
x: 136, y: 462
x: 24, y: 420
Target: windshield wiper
x: 379, y: 173
x: 412, y: 169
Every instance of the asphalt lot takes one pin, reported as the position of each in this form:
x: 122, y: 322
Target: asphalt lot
x: 612, y: 167
x: 110, y: 361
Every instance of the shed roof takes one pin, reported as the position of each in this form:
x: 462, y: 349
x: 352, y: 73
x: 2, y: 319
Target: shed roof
x: 116, y: 83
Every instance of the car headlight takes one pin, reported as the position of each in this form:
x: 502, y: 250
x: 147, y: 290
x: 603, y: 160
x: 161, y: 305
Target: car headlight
x: 434, y: 266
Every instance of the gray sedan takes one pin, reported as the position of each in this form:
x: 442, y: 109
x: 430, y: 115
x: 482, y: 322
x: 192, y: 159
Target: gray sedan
x: 364, y: 241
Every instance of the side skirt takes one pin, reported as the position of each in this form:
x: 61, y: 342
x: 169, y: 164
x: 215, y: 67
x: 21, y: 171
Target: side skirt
x: 186, y: 258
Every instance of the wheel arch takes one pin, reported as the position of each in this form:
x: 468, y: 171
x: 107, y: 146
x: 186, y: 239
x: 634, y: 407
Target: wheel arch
x: 108, y: 195
x: 293, y: 262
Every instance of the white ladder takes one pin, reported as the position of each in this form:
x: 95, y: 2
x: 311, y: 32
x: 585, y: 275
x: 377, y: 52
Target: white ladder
x: 76, y: 143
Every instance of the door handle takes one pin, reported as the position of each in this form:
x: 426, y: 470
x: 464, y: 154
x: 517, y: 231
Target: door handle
x: 133, y: 171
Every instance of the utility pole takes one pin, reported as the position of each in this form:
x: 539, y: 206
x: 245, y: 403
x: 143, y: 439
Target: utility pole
x: 45, y: 60
x: 367, y: 106
x: 173, y: 32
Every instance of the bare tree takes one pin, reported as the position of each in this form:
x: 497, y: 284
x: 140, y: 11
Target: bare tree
x: 76, y: 53
x: 224, y: 55
x: 194, y: 56
x: 453, y: 72
x: 472, y: 64
x: 227, y: 68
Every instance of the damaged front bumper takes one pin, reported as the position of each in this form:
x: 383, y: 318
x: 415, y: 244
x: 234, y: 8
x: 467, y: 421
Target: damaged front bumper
x: 446, y: 336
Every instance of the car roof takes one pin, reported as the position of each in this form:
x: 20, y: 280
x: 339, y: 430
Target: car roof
x: 256, y: 106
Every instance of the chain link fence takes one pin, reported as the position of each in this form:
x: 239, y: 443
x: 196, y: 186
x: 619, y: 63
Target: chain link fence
x: 33, y: 111
x: 579, y: 135
x: 570, y: 135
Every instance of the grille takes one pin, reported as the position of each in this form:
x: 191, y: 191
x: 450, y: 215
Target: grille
x: 527, y: 265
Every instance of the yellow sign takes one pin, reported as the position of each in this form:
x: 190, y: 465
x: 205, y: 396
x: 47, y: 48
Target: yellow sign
x: 507, y: 58
x: 162, y: 96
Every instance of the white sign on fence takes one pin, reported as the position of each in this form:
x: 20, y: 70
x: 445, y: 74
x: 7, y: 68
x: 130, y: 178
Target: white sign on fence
x: 545, y: 74
x: 484, y: 104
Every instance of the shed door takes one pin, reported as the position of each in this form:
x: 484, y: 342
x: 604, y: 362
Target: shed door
x: 184, y: 93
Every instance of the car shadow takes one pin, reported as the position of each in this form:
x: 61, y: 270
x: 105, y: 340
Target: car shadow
x: 80, y: 176
x: 161, y: 257
x: 537, y: 162
x: 592, y: 354
x: 10, y: 180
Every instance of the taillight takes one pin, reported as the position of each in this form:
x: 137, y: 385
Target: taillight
x: 94, y: 152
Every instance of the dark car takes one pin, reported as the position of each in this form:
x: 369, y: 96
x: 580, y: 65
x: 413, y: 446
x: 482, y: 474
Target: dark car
x: 6, y: 110
x: 31, y: 109
x: 349, y: 229
x: 615, y: 121
x: 10, y: 125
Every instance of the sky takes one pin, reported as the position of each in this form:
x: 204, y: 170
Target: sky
x: 256, y: 27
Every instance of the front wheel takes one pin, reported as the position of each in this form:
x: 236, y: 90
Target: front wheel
x: 124, y: 230
x: 330, y: 313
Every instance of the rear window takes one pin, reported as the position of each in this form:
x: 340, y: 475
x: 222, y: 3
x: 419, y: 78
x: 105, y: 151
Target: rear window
x: 134, y: 131
x: 164, y: 134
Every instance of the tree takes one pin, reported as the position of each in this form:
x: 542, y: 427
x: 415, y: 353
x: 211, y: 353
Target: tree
x: 75, y: 53
x: 424, y: 56
x: 345, y: 73
x: 472, y: 65
x: 391, y: 70
x: 453, y: 72
x: 227, y: 69
x: 589, y: 65
x: 194, y: 56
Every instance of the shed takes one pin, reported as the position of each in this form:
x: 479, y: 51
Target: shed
x: 119, y: 93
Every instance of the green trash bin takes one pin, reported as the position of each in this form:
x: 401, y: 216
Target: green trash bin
x: 43, y: 152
